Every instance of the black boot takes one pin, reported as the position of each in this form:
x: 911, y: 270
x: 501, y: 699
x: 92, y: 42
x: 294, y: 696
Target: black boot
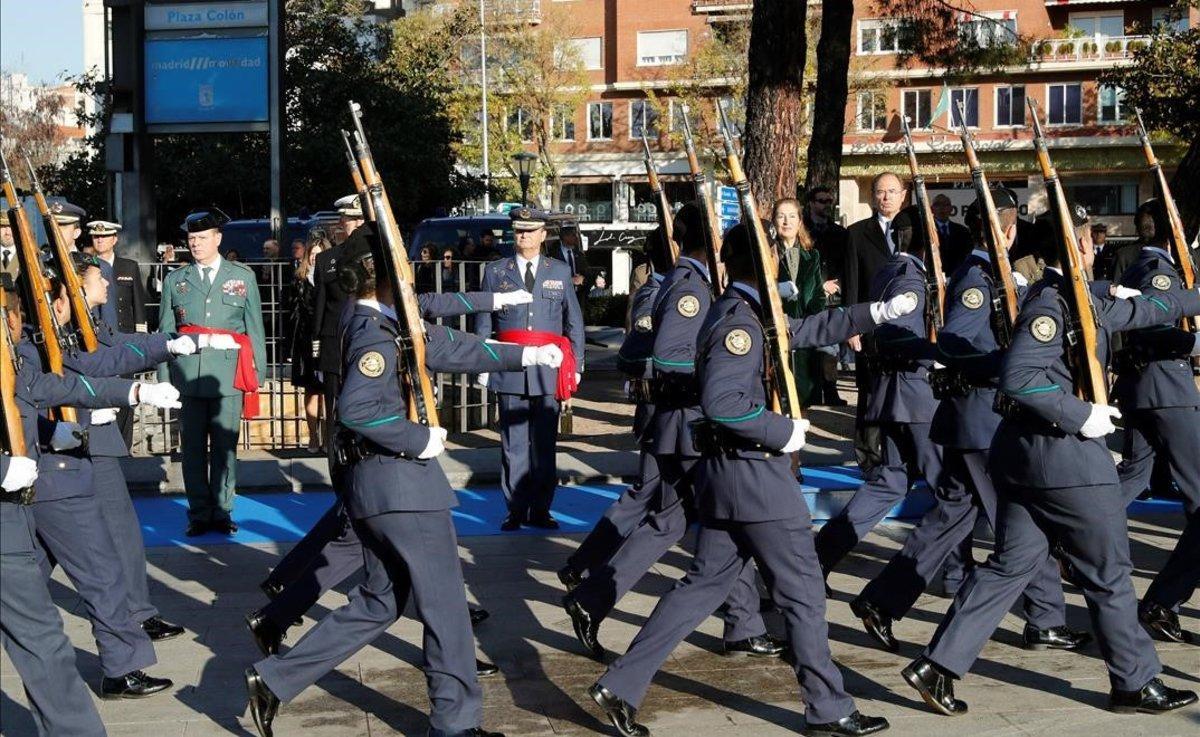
x: 935, y: 686
x: 1153, y: 698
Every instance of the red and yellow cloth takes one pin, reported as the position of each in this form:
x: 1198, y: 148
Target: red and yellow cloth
x: 245, y: 376
x: 566, y: 372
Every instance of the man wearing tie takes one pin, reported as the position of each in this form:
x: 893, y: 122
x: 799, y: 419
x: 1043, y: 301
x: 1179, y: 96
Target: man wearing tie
x: 8, y: 248
x: 954, y: 240
x: 530, y: 399
x: 569, y: 254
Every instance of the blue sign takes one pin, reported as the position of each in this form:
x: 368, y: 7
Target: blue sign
x: 730, y: 209
x: 206, y: 80
x: 727, y: 194
x: 727, y: 223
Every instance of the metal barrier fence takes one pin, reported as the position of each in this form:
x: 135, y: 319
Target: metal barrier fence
x: 281, y: 422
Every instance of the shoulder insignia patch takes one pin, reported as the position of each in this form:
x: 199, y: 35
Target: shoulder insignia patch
x: 972, y: 299
x: 371, y: 365
x: 644, y: 324
x: 1044, y: 329
x: 737, y: 341
x: 914, y: 296
x: 688, y: 305
x: 1162, y: 282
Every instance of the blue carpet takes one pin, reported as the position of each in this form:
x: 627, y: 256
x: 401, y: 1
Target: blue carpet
x: 286, y: 517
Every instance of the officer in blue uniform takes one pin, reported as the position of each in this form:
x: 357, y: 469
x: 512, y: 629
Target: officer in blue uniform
x: 399, y: 502
x: 749, y: 506
x: 964, y: 425
x: 529, y: 408
x: 1157, y: 393
x: 1057, y: 484
x: 679, y: 309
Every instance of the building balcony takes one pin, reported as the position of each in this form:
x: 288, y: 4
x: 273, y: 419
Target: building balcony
x: 498, y: 12
x: 1088, y: 48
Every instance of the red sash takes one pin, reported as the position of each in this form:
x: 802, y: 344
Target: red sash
x: 245, y: 377
x: 566, y: 372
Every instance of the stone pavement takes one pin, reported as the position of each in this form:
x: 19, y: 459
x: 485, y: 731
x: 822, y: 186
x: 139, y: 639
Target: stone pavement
x: 541, y: 691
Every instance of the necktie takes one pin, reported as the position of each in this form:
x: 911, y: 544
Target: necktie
x: 944, y: 228
x: 206, y: 272
x: 887, y: 236
x: 7, y: 257
x: 529, y: 277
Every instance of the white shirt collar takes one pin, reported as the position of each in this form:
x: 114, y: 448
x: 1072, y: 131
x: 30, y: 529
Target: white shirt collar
x: 979, y: 253
x: 1055, y: 269
x: 521, y: 261
x: 110, y: 261
x: 215, y: 266
x: 378, y: 307
x: 883, y: 220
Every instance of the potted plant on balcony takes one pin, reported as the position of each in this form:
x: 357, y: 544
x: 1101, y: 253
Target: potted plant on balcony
x: 1089, y: 48
x: 1137, y: 45
x: 1113, y: 47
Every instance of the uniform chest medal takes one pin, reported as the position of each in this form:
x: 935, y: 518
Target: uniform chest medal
x: 181, y: 287
x: 737, y: 341
x: 371, y: 365
x: 972, y: 299
x: 234, y: 288
x: 1044, y: 329
x: 1162, y: 282
x: 688, y: 306
x: 555, y: 284
x: 644, y: 324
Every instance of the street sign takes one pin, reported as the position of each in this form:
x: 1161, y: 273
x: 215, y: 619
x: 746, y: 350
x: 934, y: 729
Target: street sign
x: 727, y: 194
x: 730, y: 209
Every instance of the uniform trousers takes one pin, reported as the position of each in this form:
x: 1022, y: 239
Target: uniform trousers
x: 405, y: 554
x: 783, y: 550
x: 1171, y: 433
x: 966, y: 490
x: 121, y: 520
x: 34, y: 640
x: 72, y: 533
x: 330, y: 553
x: 528, y: 443
x: 664, y: 525
x: 208, y: 437
x: 620, y: 519
x: 1089, y: 523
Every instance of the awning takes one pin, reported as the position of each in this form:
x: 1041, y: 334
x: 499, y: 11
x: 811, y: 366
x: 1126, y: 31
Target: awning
x: 1057, y: 3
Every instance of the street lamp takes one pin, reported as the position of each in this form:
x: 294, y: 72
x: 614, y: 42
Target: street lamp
x: 525, y: 162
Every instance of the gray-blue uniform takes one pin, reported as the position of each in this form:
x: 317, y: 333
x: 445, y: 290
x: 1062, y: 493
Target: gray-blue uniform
x: 1161, y: 408
x: 528, y: 408
x: 1057, y: 487
x: 623, y: 515
x: 33, y: 631
x: 750, y: 508
x: 901, y: 404
x: 400, y: 508
x: 963, y: 426
x: 330, y: 552
x: 680, y: 307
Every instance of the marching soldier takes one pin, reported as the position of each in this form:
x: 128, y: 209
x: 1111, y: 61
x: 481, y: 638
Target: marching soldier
x: 68, y: 217
x: 749, y: 507
x: 215, y: 296
x: 1057, y: 484
x: 530, y: 399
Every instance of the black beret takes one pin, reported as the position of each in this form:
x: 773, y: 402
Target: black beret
x: 200, y: 220
x: 1005, y: 198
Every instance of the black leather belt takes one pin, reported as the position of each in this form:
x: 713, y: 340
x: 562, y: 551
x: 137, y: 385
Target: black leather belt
x: 23, y: 497
x: 674, y: 391
x: 713, y: 438
x: 351, y: 448
x: 949, y: 383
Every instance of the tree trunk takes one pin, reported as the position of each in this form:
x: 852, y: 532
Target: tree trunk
x: 829, y: 107
x: 1187, y: 195
x: 774, y: 98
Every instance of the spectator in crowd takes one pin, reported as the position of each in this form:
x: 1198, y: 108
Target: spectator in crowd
x: 600, y: 287
x: 954, y: 239
x: 829, y: 238
x: 300, y: 306
x: 299, y: 248
x: 426, y: 271
x: 269, y: 273
x: 8, y: 248
x: 801, y: 287
x: 449, y: 271
x: 570, y: 252
x: 487, y: 247
x: 233, y: 255
x: 1105, y: 256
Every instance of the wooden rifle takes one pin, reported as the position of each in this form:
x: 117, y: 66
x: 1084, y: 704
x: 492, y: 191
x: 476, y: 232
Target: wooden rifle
x: 1179, y: 243
x: 708, y: 214
x: 14, y: 432
x: 1090, y: 379
x: 81, y: 316
x: 935, y: 284
x: 50, y: 337
x: 1007, y: 304
x: 660, y: 198
x: 360, y: 186
x: 781, y: 383
x: 422, y: 403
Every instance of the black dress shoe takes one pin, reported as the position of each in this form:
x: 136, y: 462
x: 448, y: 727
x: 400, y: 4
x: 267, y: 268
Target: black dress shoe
x: 158, y: 630
x: 267, y: 635
x: 263, y: 705
x: 586, y: 629
x: 1054, y: 638
x: 620, y: 713
x: 478, y: 615
x: 271, y: 588
x: 225, y: 527
x: 761, y: 646
x: 196, y: 528
x: 569, y: 577
x: 1153, y: 698
x: 1163, y: 623
x: 877, y: 624
x: 511, y: 522
x: 135, y: 685
x: 483, y: 669
x: 542, y: 521
x: 935, y: 687
x: 855, y: 724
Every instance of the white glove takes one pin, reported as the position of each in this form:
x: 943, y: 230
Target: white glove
x: 939, y: 365
x: 22, y: 472
x: 1019, y: 279
x: 1100, y: 422
x: 1121, y: 292
x: 161, y: 395
x: 796, y: 442
x: 508, y: 299
x: 482, y: 381
x: 219, y: 342
x: 894, y: 309
x: 67, y: 436
x: 436, y: 445
x: 578, y: 378
x: 548, y: 355
x: 103, y: 416
x: 316, y: 348
x: 787, y: 289
x: 184, y: 345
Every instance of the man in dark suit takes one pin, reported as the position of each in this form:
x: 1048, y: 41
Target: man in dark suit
x: 331, y: 298
x: 954, y: 240
x: 829, y: 238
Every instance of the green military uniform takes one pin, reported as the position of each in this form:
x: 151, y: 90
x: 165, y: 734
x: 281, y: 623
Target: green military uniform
x: 210, y: 420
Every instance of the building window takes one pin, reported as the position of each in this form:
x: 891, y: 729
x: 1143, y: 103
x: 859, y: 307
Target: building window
x: 589, y: 51
x: 918, y: 108
x: 642, y: 115
x: 643, y: 205
x: 989, y: 29
x: 968, y: 98
x: 1170, y: 19
x: 1112, y: 104
x: 599, y: 121
x: 872, y: 111
x: 564, y: 123
x: 1065, y: 103
x: 657, y: 48
x: 1010, y: 106
x: 1099, y: 24
x: 882, y: 37
x: 676, y: 116
x: 735, y: 111
x: 1104, y: 198
x: 591, y: 203
x: 520, y: 122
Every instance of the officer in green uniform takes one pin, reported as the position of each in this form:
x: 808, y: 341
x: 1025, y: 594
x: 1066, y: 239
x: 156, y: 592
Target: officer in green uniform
x: 220, y: 297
